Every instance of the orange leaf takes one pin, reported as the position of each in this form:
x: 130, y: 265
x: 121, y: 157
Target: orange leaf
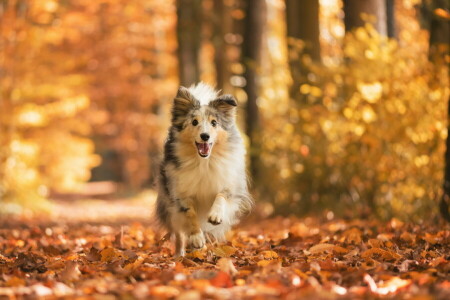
x: 269, y: 254
x: 321, y: 248
x: 384, y: 254
x: 222, y: 280
x: 108, y: 254
x: 224, y: 251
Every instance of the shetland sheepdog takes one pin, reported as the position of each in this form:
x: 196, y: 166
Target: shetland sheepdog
x: 203, y: 187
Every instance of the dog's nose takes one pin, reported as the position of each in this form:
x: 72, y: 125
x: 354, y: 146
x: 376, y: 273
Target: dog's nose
x: 204, y: 136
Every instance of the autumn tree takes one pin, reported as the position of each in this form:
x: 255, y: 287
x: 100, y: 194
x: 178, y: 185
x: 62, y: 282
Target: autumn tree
x: 189, y: 29
x: 43, y: 128
x: 82, y: 74
x: 439, y: 49
x: 390, y: 18
x: 355, y: 10
x: 223, y: 26
x: 251, y: 56
x: 302, y: 19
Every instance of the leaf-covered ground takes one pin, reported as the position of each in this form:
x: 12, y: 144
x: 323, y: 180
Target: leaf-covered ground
x: 278, y: 258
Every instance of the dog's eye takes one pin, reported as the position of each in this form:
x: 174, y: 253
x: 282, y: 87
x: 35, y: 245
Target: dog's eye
x: 195, y: 123
x: 214, y: 123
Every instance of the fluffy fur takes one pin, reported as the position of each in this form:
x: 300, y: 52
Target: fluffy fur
x: 203, y: 183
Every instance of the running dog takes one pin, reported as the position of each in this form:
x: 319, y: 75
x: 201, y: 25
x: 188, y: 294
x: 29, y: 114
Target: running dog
x: 203, y: 183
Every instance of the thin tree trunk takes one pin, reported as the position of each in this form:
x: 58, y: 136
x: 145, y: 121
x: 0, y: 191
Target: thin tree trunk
x: 223, y: 24
x: 302, y: 18
x: 390, y: 16
x: 439, y: 33
x: 439, y: 49
x: 189, y: 14
x: 445, y: 201
x: 354, y: 8
x: 251, y: 54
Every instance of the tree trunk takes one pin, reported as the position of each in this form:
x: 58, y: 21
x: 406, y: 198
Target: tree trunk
x: 223, y: 24
x: 390, y: 16
x: 445, y: 201
x: 189, y: 14
x: 251, y: 56
x: 439, y: 48
x: 354, y: 8
x: 302, y: 18
x: 439, y: 32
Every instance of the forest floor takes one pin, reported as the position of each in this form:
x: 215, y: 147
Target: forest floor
x: 107, y: 249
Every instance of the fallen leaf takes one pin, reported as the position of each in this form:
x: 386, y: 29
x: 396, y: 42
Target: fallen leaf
x: 222, y: 280
x: 224, y: 251
x: 269, y: 254
x: 321, y: 248
x: 380, y: 253
x: 226, y: 265
x: 71, y: 272
x: 15, y: 281
x: 108, y: 254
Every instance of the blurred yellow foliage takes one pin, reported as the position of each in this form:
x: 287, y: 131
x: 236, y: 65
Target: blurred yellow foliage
x: 77, y: 74
x: 367, y: 132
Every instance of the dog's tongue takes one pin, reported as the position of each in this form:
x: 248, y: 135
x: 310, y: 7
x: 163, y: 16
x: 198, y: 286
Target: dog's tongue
x: 203, y: 148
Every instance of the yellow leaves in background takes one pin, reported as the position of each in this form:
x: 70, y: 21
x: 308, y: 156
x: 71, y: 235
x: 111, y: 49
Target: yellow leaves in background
x: 309, y: 89
x: 374, y: 126
x: 35, y: 115
x: 368, y: 114
x: 371, y: 92
x: 61, y: 85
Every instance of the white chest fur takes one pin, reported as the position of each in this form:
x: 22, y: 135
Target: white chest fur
x: 202, y: 179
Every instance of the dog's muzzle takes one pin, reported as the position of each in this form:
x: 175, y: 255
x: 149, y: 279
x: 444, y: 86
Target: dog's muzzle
x: 204, y: 149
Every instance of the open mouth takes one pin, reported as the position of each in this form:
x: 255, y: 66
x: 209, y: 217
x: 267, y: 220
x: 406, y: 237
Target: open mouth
x: 204, y: 149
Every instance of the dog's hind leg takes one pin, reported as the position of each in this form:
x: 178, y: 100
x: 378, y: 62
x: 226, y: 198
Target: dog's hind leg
x: 185, y: 221
x: 180, y: 244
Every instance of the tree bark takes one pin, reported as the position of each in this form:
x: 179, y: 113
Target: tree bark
x: 354, y: 8
x: 439, y: 48
x: 189, y: 14
x: 251, y: 56
x: 445, y: 200
x: 223, y: 24
x: 390, y: 17
x: 302, y: 18
x: 439, y: 32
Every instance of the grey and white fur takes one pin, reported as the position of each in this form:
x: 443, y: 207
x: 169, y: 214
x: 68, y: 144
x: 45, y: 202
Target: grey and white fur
x: 203, y: 186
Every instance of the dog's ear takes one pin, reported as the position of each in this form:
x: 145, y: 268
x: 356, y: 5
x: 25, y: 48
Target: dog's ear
x: 183, y: 102
x: 226, y: 104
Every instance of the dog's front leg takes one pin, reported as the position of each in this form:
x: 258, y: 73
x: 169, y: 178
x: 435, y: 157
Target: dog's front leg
x: 188, y: 223
x: 219, y: 208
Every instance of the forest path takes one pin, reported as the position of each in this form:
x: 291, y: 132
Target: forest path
x: 86, y: 250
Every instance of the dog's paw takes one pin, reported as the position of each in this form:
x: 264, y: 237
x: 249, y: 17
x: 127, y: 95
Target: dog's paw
x: 197, y: 240
x: 180, y: 253
x: 215, y: 217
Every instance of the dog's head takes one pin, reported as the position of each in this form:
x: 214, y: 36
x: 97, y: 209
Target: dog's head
x: 202, y: 118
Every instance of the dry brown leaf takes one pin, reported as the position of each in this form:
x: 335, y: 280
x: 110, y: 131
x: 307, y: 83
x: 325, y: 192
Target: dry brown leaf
x: 380, y: 253
x: 321, y: 248
x: 71, y: 272
x: 432, y: 238
x: 15, y: 281
x: 226, y: 265
x: 269, y: 254
x: 408, y: 237
x: 264, y: 263
x: 200, y: 254
x: 353, y: 236
x: 224, y: 251
x: 108, y: 254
